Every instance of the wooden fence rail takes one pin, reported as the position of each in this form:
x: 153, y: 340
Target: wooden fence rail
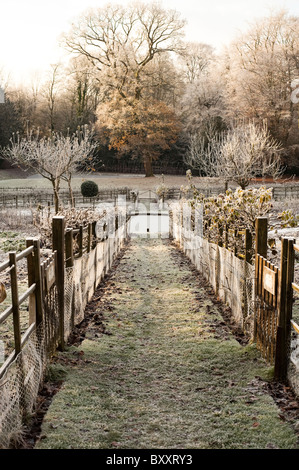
x: 24, y: 197
x: 17, y: 300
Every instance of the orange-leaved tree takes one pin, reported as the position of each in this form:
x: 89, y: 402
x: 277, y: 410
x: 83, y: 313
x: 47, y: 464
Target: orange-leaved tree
x: 143, y: 129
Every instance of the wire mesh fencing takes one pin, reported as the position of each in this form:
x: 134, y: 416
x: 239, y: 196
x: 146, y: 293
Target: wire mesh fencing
x: 22, y: 377
x: 263, y: 298
x: 19, y: 387
x: 232, y: 278
x: 293, y: 365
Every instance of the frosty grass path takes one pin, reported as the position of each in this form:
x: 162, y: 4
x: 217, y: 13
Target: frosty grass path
x: 166, y: 372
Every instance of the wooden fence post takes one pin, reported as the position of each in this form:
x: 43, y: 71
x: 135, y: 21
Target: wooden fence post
x: 31, y: 280
x: 281, y: 352
x: 220, y: 235
x: 95, y: 247
x: 38, y: 283
x: 69, y: 249
x: 248, y: 246
x: 261, y: 242
x: 261, y: 230
x: 261, y: 248
x: 226, y: 236
x: 15, y: 301
x: 94, y: 234
x: 58, y: 229
x: 89, y: 237
x: 235, y: 242
x: 34, y: 276
x: 285, y: 307
x: 80, y: 241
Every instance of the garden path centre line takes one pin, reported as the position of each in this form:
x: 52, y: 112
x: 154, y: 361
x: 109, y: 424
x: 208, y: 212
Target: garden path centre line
x: 158, y: 368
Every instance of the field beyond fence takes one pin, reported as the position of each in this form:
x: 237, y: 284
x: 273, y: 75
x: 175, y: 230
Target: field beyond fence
x: 25, y: 197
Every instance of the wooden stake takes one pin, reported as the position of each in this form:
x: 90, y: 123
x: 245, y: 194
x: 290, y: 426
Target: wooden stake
x: 38, y: 283
x: 261, y: 229
x: 80, y: 241
x: 89, y: 237
x: 281, y: 352
x: 59, y: 246
x: 31, y: 280
x: 248, y: 246
x: 15, y: 301
x: 69, y: 248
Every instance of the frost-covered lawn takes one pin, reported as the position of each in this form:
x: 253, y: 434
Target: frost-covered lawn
x: 108, y: 181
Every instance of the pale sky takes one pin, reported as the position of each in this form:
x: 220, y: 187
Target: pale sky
x: 29, y: 29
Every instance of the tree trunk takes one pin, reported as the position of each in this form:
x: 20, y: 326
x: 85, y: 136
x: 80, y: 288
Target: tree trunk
x: 148, y: 167
x: 71, y: 194
x: 55, y: 185
x: 56, y: 201
x: 243, y: 182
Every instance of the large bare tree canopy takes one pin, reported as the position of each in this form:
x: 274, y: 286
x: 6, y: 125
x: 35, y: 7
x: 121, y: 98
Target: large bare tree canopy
x: 262, y: 64
x: 120, y: 41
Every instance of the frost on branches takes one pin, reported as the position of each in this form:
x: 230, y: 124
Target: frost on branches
x: 236, y: 209
x: 54, y: 157
x: 242, y: 153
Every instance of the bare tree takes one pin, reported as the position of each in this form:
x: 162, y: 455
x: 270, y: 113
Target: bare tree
x: 81, y: 92
x: 10, y: 118
x: 77, y: 149
x: 244, y: 152
x: 51, y: 92
x: 195, y: 60
x: 54, y: 158
x: 120, y: 41
x: 258, y: 70
x: 204, y: 156
x: 201, y: 107
x: 162, y: 80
